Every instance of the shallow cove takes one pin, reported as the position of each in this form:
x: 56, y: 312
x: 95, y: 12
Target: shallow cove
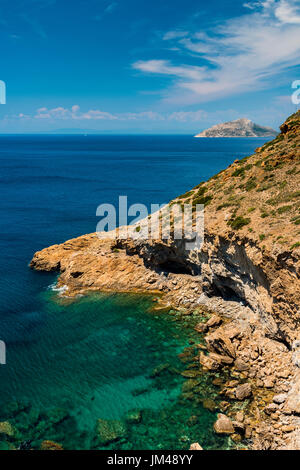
x: 101, y: 356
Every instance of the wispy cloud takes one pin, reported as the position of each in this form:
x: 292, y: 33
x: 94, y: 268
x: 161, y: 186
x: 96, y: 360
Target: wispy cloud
x: 74, y: 113
x: 243, y: 53
x: 110, y: 8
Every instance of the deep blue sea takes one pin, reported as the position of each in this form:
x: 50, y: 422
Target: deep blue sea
x: 72, y: 363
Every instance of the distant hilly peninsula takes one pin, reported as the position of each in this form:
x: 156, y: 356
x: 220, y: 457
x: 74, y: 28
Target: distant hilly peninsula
x: 238, y: 128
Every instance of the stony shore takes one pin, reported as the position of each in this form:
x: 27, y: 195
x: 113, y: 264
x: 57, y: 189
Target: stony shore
x: 246, y: 274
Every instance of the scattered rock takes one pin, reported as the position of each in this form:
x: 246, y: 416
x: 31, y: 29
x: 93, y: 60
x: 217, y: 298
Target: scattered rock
x: 50, y: 445
x: 219, y: 342
x: 201, y: 327
x: 296, y: 353
x: 271, y: 408
x: 243, y: 391
x: 238, y: 427
x: 280, y: 398
x: 214, y: 320
x: 223, y: 425
x: 240, y: 365
x: 159, y: 369
x: 195, y: 446
x: 240, y: 416
x: 236, y: 437
x: 269, y: 382
x: 191, y: 374
x: 192, y: 420
x: 209, y: 404
x: 214, y: 361
x: 217, y: 381
x: 224, y: 405
x: 288, y: 428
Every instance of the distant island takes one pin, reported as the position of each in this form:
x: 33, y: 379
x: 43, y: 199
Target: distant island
x: 238, y: 128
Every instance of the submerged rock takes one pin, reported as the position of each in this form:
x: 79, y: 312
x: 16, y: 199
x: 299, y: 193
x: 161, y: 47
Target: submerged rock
x: 209, y: 404
x: 134, y: 416
x: 6, y: 428
x: 110, y: 430
x: 50, y: 445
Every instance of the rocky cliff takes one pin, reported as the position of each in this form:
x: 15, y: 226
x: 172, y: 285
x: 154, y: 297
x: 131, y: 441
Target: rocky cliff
x: 248, y: 271
x: 238, y: 128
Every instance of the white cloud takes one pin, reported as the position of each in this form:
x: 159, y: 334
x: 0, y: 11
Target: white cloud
x: 164, y: 67
x: 287, y: 12
x: 74, y: 114
x: 242, y: 54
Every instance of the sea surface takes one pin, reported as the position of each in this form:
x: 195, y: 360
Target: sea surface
x: 70, y: 364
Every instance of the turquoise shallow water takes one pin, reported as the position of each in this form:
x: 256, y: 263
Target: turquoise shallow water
x: 93, y: 358
x: 100, y: 357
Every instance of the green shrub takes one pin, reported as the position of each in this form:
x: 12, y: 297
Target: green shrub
x: 296, y: 245
x: 225, y: 204
x: 284, y: 209
x: 251, y: 184
x: 238, y: 222
x: 205, y: 200
x: 186, y: 195
x: 239, y: 172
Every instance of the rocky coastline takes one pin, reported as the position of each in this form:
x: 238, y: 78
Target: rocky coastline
x: 247, y: 275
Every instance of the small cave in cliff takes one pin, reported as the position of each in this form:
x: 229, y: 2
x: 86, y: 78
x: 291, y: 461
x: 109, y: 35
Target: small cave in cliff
x: 225, y: 291
x: 170, y: 266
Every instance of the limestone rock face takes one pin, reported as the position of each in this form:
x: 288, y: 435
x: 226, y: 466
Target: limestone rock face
x: 223, y: 425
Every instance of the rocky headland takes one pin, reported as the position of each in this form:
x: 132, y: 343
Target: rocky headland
x: 246, y: 274
x: 239, y: 128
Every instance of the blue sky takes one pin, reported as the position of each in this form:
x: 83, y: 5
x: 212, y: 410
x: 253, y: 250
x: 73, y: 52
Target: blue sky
x: 136, y: 66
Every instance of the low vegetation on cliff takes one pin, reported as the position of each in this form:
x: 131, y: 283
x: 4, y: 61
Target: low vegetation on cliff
x: 259, y: 194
